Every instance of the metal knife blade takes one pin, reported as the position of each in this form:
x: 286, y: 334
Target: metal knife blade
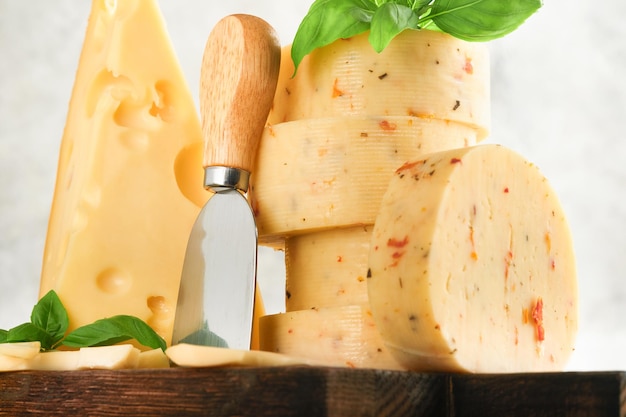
x: 238, y: 80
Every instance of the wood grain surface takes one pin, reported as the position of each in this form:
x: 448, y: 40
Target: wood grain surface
x: 309, y: 391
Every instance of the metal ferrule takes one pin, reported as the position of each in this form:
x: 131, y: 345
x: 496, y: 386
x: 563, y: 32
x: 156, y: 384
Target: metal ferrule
x: 219, y: 178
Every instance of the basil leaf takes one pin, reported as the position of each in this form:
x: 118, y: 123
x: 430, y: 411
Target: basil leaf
x: 3, y: 335
x: 28, y: 332
x: 388, y: 21
x: 48, y: 323
x: 421, y: 6
x: 481, y: 20
x: 49, y: 315
x: 329, y: 20
x: 471, y: 20
x: 114, y: 330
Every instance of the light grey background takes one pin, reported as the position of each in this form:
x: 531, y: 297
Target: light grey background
x: 558, y: 95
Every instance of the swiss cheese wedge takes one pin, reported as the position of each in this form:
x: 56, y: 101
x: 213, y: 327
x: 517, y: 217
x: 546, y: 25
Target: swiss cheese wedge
x: 472, y: 265
x: 129, y: 183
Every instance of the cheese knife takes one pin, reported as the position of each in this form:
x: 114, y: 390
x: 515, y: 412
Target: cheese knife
x: 237, y: 83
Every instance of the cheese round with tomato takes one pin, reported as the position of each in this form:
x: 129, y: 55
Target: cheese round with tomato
x: 321, y: 173
x: 421, y: 73
x: 343, y: 336
x: 327, y: 268
x: 472, y: 265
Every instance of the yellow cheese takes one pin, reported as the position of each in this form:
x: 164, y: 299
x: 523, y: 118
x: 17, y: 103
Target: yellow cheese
x: 22, y: 356
x: 187, y: 355
x: 323, y: 173
x: 472, y: 265
x: 124, y: 356
x: 23, y: 350
x: 343, y: 336
x: 420, y: 73
x: 15, y: 356
x: 108, y: 357
x: 129, y: 183
x: 327, y: 268
x: 56, y: 360
x: 12, y: 363
x: 153, y: 358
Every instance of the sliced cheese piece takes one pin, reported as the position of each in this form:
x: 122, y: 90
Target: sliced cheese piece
x: 103, y: 357
x: 12, y: 363
x: 124, y: 356
x: 187, y: 355
x: 153, y: 358
x: 327, y: 268
x: 420, y: 73
x: 323, y: 173
x: 56, y: 360
x: 472, y: 265
x: 129, y: 183
x: 343, y: 336
x: 24, y: 350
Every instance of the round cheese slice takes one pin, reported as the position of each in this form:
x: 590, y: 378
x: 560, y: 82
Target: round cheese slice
x: 196, y: 356
x: 323, y: 173
x: 327, y: 268
x: 420, y: 73
x: 343, y: 336
x: 472, y: 265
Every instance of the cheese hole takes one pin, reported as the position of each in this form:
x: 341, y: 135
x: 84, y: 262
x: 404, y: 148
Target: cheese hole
x: 114, y: 281
x: 138, y: 109
x: 158, y: 306
x: 106, y: 86
x: 136, y: 113
x: 162, y: 314
x: 163, y: 105
x: 188, y: 172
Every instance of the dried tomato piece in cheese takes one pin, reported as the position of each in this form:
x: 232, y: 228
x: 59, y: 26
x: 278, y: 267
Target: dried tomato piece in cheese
x: 472, y: 265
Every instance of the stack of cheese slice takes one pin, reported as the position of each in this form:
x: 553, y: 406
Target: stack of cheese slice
x: 130, y: 178
x: 349, y: 117
x: 337, y: 132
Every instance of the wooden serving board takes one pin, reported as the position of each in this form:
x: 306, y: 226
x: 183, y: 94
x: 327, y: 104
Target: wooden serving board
x: 309, y: 391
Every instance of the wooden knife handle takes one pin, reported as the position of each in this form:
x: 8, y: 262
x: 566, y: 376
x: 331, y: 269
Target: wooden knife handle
x: 237, y: 85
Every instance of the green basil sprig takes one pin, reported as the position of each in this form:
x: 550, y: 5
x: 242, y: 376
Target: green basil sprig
x: 470, y: 20
x: 49, y: 322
